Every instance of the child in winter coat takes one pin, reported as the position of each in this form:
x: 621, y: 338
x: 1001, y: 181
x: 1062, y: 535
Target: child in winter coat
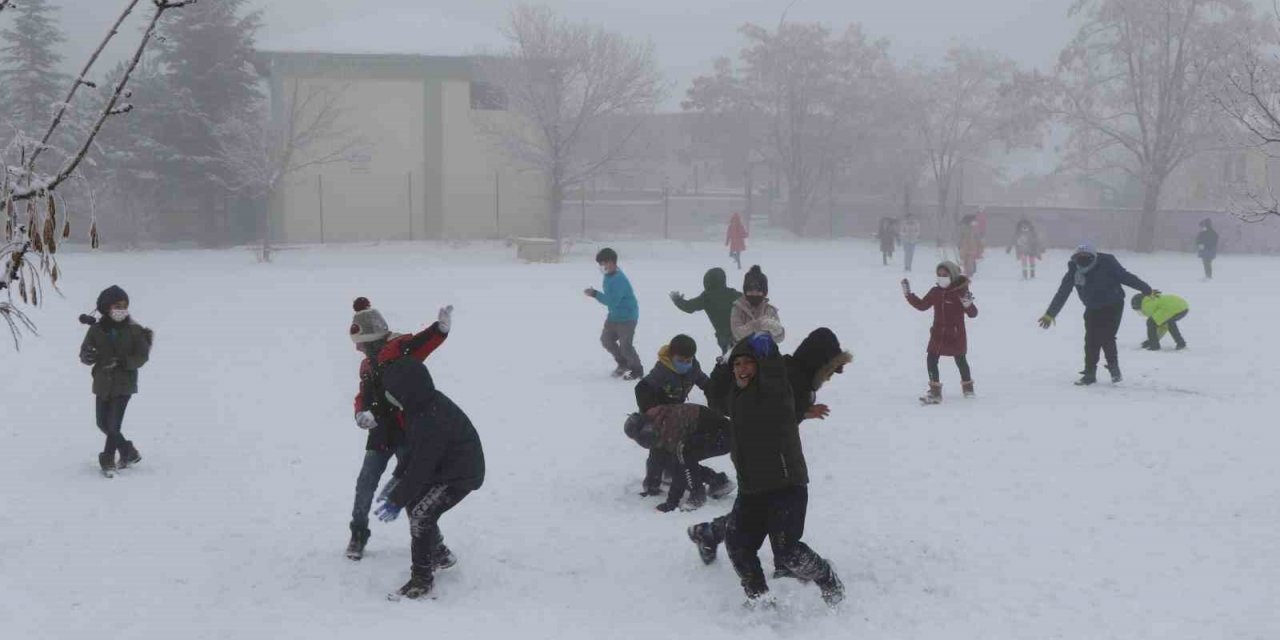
x: 670, y: 381
x: 1027, y: 242
x: 1163, y: 311
x: 116, y: 347
x: 910, y: 236
x: 383, y: 421
x: 619, y: 334
x: 736, y: 239
x: 686, y: 434
x: 717, y: 301
x: 951, y: 302
x: 888, y: 236
x: 1207, y: 246
x: 970, y: 246
x: 752, y: 313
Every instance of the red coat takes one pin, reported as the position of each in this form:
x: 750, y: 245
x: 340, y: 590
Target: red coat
x: 947, y: 337
x: 736, y: 238
x: 418, y: 346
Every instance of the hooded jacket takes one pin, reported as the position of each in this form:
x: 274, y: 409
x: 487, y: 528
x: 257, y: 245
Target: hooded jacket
x: 664, y: 386
x: 716, y: 299
x: 746, y: 320
x: 115, y: 350
x: 736, y: 237
x: 1163, y: 308
x: 947, y: 336
x: 444, y: 447
x: 817, y: 358
x: 1207, y: 243
x: 390, y: 432
x: 764, y: 432
x: 1102, y: 287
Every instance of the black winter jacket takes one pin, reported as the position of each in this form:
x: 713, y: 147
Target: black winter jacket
x: 813, y: 363
x: 1102, y: 286
x: 764, y: 432
x: 444, y: 447
x: 664, y: 386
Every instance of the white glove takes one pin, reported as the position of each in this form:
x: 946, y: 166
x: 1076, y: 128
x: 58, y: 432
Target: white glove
x: 365, y: 420
x: 967, y: 300
x: 906, y: 287
x: 445, y: 318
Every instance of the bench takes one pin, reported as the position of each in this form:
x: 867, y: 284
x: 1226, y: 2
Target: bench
x: 537, y: 249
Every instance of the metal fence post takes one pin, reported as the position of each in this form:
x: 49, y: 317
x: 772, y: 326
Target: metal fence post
x: 320, y: 197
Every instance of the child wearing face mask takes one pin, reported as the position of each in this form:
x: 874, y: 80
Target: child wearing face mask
x: 116, y: 347
x: 951, y: 302
x: 752, y: 313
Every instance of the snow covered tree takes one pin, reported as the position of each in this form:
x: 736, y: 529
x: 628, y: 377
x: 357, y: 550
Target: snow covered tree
x: 29, y: 71
x: 568, y: 84
x: 207, y: 57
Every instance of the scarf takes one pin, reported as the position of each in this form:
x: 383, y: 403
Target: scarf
x: 1082, y: 273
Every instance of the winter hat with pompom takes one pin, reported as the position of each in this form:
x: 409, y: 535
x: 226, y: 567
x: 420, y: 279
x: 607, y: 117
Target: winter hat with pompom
x: 755, y: 280
x: 367, y: 325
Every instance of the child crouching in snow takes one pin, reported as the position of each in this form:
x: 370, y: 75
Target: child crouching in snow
x: 116, y: 347
x: 670, y: 381
x: 687, y: 434
x: 1163, y: 311
x: 951, y: 301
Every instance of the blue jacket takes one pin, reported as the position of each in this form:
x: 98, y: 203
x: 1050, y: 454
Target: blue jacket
x: 1102, y: 285
x: 619, y: 297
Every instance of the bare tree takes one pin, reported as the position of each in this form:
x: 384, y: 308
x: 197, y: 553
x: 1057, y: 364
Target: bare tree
x: 569, y: 85
x: 29, y: 199
x: 1134, y: 85
x: 258, y: 154
x: 1250, y: 97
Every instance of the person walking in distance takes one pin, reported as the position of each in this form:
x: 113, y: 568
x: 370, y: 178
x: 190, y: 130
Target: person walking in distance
x: 909, y: 233
x: 736, y: 239
x: 1207, y: 246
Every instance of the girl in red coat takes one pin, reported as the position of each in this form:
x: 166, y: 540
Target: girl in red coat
x: 736, y: 239
x: 951, y: 301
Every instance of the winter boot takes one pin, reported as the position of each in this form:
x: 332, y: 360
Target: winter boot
x: 442, y: 558
x: 1116, y: 378
x: 129, y: 455
x: 418, y: 586
x: 968, y: 389
x: 696, y: 498
x: 808, y: 565
x: 1087, y: 377
x: 720, y: 486
x: 702, y: 536
x: 935, y: 394
x: 781, y: 573
x: 831, y: 586
x: 355, y: 548
x: 107, y: 461
x: 635, y: 374
x: 1180, y: 346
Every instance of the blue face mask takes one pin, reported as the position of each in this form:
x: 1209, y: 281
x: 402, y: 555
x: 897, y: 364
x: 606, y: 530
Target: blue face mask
x: 682, y: 367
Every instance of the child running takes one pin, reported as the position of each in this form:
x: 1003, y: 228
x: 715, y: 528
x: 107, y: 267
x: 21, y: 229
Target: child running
x: 716, y: 300
x: 619, y: 334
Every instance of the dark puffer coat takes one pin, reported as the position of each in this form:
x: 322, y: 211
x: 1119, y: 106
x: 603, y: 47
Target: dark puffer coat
x: 664, y: 386
x: 764, y: 432
x: 947, y: 337
x: 115, y: 350
x: 816, y: 359
x: 1102, y: 285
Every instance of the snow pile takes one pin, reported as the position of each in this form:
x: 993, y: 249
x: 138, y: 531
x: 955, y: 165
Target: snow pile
x: 1039, y: 510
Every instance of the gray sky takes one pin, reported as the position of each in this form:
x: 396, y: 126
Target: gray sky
x: 688, y: 34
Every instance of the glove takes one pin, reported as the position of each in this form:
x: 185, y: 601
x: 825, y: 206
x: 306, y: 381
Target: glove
x: 445, y: 319
x: 676, y: 296
x: 762, y: 345
x: 906, y: 287
x: 967, y: 300
x: 365, y: 420
x: 668, y: 506
x: 387, y: 488
x: 90, y: 357
x: 1046, y: 321
x: 387, y: 512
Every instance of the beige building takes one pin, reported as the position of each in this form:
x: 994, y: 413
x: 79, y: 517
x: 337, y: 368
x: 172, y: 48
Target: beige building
x: 425, y: 169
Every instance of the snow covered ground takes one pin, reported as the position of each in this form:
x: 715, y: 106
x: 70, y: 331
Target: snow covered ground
x: 1040, y: 510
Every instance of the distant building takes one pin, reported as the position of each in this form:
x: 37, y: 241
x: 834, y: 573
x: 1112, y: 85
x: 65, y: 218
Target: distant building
x: 429, y: 171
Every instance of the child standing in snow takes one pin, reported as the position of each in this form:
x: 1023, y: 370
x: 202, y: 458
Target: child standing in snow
x: 685, y: 434
x: 970, y: 246
x: 1163, y: 311
x: 716, y: 300
x: 1207, y: 246
x: 1027, y: 242
x: 619, y: 334
x: 752, y: 313
x: 670, y: 381
x: 888, y: 235
x: 951, y: 302
x: 736, y: 239
x: 910, y: 236
x: 116, y: 347
x: 383, y: 421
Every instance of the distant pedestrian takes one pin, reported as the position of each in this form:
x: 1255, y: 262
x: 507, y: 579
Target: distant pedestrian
x: 909, y: 234
x: 888, y: 235
x: 736, y: 239
x: 1207, y: 246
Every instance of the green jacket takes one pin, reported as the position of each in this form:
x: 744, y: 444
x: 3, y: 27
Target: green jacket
x: 1163, y: 307
x: 717, y: 300
x: 116, y: 352
x: 764, y: 431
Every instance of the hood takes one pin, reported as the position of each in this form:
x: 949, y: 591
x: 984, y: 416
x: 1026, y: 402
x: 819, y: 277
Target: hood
x: 664, y: 356
x: 409, y: 382
x: 820, y: 356
x: 108, y: 297
x: 743, y: 348
x: 959, y: 283
x: 715, y: 279
x: 952, y: 269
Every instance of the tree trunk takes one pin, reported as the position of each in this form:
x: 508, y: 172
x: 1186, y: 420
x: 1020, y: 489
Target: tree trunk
x: 944, y: 190
x: 557, y: 207
x: 1150, y: 212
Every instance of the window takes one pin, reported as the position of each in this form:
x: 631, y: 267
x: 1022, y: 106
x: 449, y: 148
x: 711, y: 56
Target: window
x: 487, y: 97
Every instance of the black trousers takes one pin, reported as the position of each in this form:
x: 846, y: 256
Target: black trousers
x: 1153, y: 331
x: 780, y: 516
x: 1208, y: 267
x: 1100, y: 328
x: 424, y: 525
x: 110, y: 414
x: 962, y: 363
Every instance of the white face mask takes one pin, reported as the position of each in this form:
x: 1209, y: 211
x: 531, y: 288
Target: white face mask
x: 119, y: 315
x: 604, y: 270
x: 944, y: 281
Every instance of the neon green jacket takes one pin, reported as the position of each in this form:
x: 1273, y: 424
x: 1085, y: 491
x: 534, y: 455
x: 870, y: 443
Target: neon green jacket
x: 1163, y: 307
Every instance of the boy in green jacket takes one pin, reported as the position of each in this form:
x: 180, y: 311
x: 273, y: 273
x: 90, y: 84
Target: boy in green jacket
x: 716, y: 300
x: 1163, y: 311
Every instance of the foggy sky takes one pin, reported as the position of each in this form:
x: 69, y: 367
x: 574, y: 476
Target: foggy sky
x: 688, y: 34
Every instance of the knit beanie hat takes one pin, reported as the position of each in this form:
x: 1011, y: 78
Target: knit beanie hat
x: 683, y: 346
x: 755, y: 280
x: 367, y: 325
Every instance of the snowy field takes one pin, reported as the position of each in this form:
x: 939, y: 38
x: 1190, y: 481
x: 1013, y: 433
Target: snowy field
x: 1039, y: 510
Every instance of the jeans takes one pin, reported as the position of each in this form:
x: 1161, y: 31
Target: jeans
x: 1100, y: 328
x: 908, y: 253
x: 375, y: 463
x: 962, y: 363
x: 110, y: 415
x: 1154, y: 334
x: 424, y: 525
x: 618, y: 338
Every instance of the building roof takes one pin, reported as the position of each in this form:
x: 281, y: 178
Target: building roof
x: 424, y: 32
